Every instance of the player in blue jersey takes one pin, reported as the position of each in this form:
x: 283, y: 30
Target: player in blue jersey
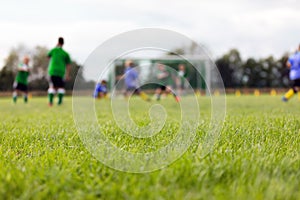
x: 101, y: 90
x: 293, y: 64
x: 132, y: 81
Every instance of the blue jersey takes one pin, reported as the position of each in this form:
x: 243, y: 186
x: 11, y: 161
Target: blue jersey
x: 100, y: 88
x: 294, y: 60
x: 131, y: 78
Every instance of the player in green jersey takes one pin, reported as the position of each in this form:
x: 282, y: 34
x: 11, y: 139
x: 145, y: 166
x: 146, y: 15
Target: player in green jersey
x: 21, y: 82
x: 164, y: 78
x: 181, y: 79
x: 58, y: 69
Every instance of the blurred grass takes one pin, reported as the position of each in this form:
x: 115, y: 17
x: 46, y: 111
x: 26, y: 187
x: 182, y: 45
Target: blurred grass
x: 257, y: 155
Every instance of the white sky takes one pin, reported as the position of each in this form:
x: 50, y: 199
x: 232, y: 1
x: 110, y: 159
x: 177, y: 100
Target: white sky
x: 257, y: 28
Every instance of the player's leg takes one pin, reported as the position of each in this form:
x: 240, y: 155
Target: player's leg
x: 60, y: 93
x: 61, y: 90
x: 178, y: 86
x: 51, y: 91
x: 15, y: 92
x: 293, y: 90
x: 142, y: 94
x: 181, y: 88
x: 25, y: 96
x: 159, y: 91
x: 169, y: 90
x: 127, y: 92
x: 25, y: 93
x: 101, y: 95
x: 15, y: 96
x: 289, y: 94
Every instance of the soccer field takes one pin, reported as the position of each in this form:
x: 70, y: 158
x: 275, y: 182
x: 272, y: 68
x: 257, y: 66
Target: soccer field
x: 257, y: 155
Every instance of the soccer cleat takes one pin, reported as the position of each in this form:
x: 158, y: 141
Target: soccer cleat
x: 284, y: 99
x: 288, y: 95
x: 50, y: 104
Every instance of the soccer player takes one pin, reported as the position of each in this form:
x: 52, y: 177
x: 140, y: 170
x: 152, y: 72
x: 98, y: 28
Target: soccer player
x: 101, y: 89
x: 293, y: 64
x: 181, y: 79
x: 21, y: 81
x: 131, y: 81
x: 164, y: 77
x: 58, y: 69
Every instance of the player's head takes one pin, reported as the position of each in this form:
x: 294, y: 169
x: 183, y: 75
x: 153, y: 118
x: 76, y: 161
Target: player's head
x: 129, y: 63
x: 61, y: 41
x: 26, y: 60
x: 103, y: 82
x: 181, y: 67
x: 161, y: 67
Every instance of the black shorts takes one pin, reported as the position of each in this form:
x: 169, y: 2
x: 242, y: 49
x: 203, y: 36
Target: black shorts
x: 296, y: 83
x: 162, y: 87
x: 134, y: 90
x: 20, y: 86
x: 56, y: 82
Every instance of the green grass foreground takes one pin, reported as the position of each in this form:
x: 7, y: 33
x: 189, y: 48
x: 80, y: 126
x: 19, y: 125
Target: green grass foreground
x: 257, y: 155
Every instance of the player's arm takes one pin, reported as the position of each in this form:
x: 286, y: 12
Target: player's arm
x: 163, y: 75
x: 68, y: 67
x: 68, y: 72
x: 289, y: 62
x: 49, y: 54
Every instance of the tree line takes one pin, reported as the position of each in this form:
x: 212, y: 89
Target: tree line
x: 253, y: 73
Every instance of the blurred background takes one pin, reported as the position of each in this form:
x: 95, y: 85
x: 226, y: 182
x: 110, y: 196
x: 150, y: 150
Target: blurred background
x: 248, y: 40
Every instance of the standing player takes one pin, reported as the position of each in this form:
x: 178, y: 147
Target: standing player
x: 181, y: 79
x: 101, y: 90
x: 164, y: 77
x: 21, y: 82
x: 59, y: 67
x: 293, y: 64
x: 131, y: 81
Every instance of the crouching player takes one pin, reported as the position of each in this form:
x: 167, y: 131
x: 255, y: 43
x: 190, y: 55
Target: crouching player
x: 294, y: 64
x: 21, y: 81
x: 101, y: 90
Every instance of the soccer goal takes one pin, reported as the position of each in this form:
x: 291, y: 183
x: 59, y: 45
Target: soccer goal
x: 198, y: 71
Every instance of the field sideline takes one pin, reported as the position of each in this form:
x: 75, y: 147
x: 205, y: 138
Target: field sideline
x: 257, y: 155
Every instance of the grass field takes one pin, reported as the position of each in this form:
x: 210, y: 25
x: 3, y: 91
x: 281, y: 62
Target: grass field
x: 257, y: 155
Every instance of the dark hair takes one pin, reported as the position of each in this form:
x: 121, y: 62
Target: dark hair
x: 131, y: 64
x: 60, y: 40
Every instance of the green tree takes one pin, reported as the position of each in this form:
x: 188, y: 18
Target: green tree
x: 230, y: 68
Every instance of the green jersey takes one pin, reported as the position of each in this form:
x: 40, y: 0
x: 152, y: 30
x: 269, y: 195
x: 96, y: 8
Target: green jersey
x: 58, y: 61
x: 164, y: 77
x: 182, y: 75
x: 23, y: 73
